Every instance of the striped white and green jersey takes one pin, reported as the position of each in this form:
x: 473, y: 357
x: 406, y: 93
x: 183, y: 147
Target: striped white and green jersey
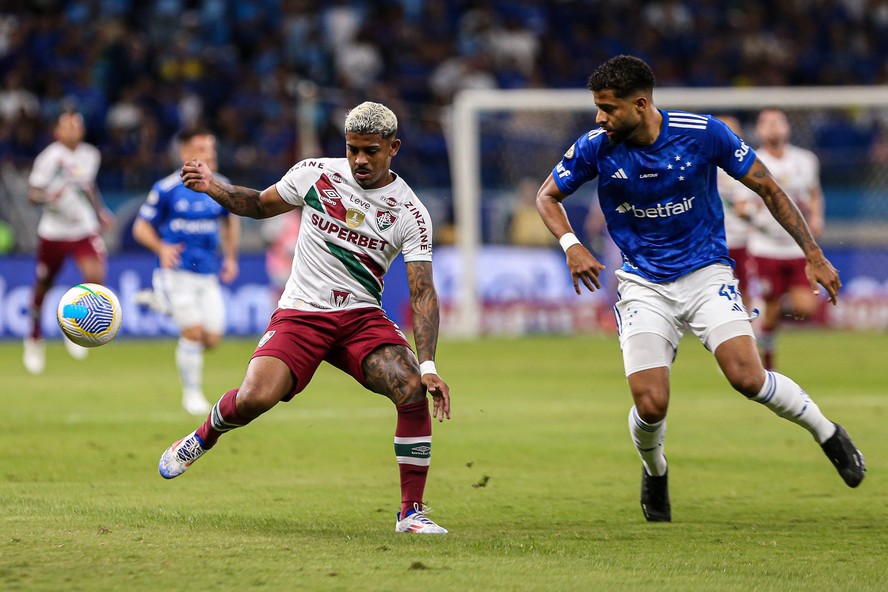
x: 349, y: 235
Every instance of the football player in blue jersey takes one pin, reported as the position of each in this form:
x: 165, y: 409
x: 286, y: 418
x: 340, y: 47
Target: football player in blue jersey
x: 656, y: 172
x: 182, y: 227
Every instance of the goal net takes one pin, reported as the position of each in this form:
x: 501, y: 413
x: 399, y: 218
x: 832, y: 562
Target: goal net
x: 503, y: 144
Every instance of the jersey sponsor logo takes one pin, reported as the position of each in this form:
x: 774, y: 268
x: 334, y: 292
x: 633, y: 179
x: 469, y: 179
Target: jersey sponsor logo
x: 673, y: 208
x: 390, y: 201
x: 336, y: 177
x: 339, y: 298
x: 424, y: 243
x: 648, y: 175
x: 324, y: 198
x: 384, y: 219
x: 570, y: 152
x: 330, y: 196
x: 354, y: 218
x: 268, y: 335
x: 741, y: 152
x: 562, y: 172
x: 620, y: 174
x: 349, y: 236
x: 361, y: 203
x: 194, y: 226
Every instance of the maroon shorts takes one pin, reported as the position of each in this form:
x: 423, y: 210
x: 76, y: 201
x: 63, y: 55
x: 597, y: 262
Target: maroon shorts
x: 51, y: 254
x: 778, y: 276
x: 302, y: 340
x: 741, y: 268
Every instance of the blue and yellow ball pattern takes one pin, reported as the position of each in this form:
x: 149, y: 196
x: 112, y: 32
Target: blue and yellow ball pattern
x: 90, y: 315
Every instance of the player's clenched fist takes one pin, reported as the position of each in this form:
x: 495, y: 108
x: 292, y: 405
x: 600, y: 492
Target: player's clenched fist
x: 196, y: 175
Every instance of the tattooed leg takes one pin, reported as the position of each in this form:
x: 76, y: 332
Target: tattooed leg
x: 392, y: 370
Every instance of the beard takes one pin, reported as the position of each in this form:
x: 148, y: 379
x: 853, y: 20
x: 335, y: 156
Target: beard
x: 620, y: 135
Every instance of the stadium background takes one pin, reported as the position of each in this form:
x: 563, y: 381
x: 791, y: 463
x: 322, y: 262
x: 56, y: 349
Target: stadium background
x: 273, y: 79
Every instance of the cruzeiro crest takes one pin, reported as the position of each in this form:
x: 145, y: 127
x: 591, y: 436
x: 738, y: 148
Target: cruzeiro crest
x: 384, y: 219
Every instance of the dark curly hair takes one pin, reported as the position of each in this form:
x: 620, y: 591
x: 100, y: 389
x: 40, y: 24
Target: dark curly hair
x: 624, y: 75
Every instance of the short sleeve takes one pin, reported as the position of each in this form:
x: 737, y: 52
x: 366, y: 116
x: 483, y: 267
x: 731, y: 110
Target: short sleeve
x: 295, y: 183
x: 728, y: 150
x: 578, y: 165
x: 417, y: 233
x: 42, y: 171
x: 153, y: 208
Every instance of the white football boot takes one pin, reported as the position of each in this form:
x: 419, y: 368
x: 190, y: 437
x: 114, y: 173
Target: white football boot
x: 78, y: 352
x: 151, y: 299
x: 195, y: 403
x: 417, y: 521
x: 176, y: 459
x: 34, y: 356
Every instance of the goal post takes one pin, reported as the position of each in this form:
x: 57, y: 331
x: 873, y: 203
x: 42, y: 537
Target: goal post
x: 472, y: 107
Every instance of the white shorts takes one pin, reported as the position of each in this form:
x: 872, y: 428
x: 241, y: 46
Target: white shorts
x: 192, y: 299
x: 705, y: 301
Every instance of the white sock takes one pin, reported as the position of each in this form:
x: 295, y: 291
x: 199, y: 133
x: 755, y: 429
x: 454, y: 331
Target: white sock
x: 648, y: 438
x: 787, y: 399
x: 189, y: 360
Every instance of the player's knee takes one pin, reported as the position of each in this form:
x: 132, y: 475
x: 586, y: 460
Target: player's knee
x: 746, y: 379
x: 252, y: 403
x: 408, y: 389
x: 651, y: 412
x: 805, y: 308
x: 651, y: 405
x: 412, y: 388
x: 211, y: 340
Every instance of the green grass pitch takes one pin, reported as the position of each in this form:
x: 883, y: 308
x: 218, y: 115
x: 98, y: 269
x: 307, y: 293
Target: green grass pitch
x: 535, y: 477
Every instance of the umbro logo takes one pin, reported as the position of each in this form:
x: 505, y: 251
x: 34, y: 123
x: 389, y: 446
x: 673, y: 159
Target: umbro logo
x: 620, y: 174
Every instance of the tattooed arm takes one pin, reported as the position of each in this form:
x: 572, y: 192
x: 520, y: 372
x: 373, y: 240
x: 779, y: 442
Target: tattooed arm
x: 426, y: 317
x: 242, y: 201
x: 818, y: 268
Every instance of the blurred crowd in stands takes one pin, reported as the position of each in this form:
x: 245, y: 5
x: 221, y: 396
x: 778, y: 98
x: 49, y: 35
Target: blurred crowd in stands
x: 140, y: 70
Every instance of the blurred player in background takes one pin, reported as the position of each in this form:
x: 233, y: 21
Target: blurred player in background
x: 656, y: 172
x: 280, y: 234
x: 735, y: 199
x: 777, y: 261
x: 63, y: 181
x: 358, y: 215
x: 183, y: 227
x: 525, y: 227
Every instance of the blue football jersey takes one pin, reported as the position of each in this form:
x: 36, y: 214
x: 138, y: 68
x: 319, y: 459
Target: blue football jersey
x: 660, y: 201
x: 185, y: 217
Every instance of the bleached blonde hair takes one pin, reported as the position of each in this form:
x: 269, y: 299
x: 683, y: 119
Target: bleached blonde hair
x: 371, y: 118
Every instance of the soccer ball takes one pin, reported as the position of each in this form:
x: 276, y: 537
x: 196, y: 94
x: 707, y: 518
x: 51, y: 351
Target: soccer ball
x: 90, y: 315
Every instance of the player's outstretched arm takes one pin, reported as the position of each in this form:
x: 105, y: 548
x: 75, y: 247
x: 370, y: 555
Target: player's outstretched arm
x: 239, y: 200
x: 426, y: 320
x: 584, y: 267
x: 818, y: 268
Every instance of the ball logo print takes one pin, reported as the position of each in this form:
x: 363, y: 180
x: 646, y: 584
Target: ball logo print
x: 90, y: 315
